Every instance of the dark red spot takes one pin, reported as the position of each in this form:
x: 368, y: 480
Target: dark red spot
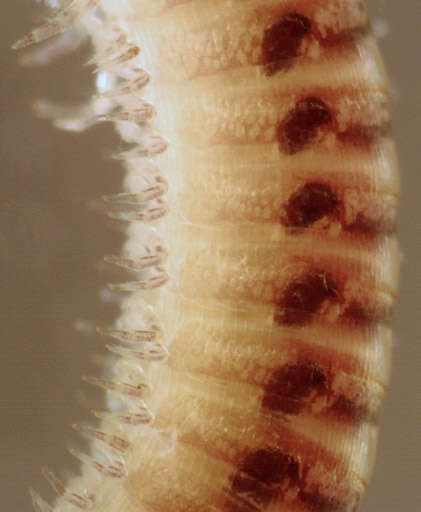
x: 310, y: 203
x: 303, y: 297
x: 301, y: 124
x: 261, y: 473
x: 270, y: 466
x: 282, y: 40
x: 290, y: 386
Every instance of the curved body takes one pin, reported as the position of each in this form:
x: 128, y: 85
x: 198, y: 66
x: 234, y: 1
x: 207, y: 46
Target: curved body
x: 261, y: 195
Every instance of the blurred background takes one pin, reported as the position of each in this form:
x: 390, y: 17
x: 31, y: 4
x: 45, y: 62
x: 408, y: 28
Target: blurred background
x: 52, y: 241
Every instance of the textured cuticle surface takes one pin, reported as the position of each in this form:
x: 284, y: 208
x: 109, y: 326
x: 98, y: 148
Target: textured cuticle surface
x: 254, y: 330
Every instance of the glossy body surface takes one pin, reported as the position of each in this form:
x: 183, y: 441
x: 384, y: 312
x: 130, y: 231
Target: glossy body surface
x: 261, y: 195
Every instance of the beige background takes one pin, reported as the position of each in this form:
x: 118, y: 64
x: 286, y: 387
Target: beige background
x: 52, y: 242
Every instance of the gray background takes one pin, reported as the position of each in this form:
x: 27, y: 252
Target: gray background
x: 52, y: 241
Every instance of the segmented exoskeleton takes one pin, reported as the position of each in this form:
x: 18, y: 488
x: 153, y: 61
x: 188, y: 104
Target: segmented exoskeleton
x: 261, y: 197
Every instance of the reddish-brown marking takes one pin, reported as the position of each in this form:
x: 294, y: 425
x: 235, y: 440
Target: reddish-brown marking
x: 303, y: 297
x: 356, y: 314
x: 316, y: 200
x: 297, y: 464
x: 294, y: 386
x: 270, y: 466
x: 342, y: 37
x: 289, y: 387
x: 310, y: 203
x: 300, y: 125
x: 261, y: 473
x: 282, y: 40
x: 268, y: 474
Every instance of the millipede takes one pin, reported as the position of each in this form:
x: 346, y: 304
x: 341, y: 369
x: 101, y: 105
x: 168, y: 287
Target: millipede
x: 260, y: 203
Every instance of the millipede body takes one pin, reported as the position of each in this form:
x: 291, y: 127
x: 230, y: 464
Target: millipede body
x: 252, y: 349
